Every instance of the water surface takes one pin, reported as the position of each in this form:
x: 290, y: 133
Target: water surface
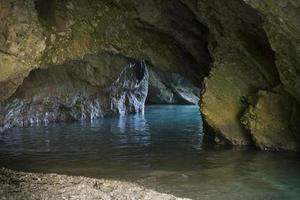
x: 161, y: 149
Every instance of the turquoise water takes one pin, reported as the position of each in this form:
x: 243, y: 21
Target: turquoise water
x: 161, y: 149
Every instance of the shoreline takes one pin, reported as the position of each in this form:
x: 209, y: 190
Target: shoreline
x: 28, y: 186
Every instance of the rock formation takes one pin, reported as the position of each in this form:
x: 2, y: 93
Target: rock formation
x: 244, y: 54
x: 73, y: 92
x: 171, y: 88
x: 272, y: 118
x: 129, y: 92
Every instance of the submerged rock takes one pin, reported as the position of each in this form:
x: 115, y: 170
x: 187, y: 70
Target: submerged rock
x: 23, y: 186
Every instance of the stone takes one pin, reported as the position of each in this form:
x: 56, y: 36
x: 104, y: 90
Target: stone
x: 242, y: 62
x: 129, y: 92
x: 269, y: 119
x: 171, y: 88
x: 73, y: 92
x: 97, y: 27
x: 282, y: 26
x: 23, y: 45
x: 34, y: 186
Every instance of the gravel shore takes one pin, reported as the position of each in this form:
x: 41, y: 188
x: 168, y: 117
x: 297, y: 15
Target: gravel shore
x: 23, y: 186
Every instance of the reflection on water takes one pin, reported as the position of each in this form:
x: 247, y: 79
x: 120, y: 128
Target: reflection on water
x: 161, y: 149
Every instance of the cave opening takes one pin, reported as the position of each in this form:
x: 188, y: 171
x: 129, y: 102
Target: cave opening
x: 163, y: 141
x: 70, y: 93
x: 178, y: 96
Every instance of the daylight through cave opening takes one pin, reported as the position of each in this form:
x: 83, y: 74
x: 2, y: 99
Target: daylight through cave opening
x: 126, y: 89
x: 228, y: 49
x: 97, y: 86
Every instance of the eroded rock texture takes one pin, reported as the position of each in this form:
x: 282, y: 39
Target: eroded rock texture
x: 171, y: 88
x: 247, y: 57
x: 242, y: 63
x: 282, y: 26
x: 78, y: 90
x: 129, y: 92
x: 22, y: 43
x: 272, y: 119
x: 233, y: 49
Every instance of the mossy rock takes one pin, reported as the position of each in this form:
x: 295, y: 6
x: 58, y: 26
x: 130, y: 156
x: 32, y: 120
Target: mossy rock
x: 270, y: 121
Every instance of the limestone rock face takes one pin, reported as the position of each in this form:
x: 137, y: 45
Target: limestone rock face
x: 271, y: 123
x: 282, y: 26
x: 58, y: 31
x: 171, y: 88
x: 21, y: 43
x: 73, y: 92
x: 129, y: 92
x: 253, y: 45
x: 242, y: 63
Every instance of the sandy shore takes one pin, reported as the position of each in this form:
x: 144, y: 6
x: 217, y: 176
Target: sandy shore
x: 19, y: 185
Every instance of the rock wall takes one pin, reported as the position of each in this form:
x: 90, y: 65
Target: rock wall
x: 78, y: 91
x: 22, y: 43
x: 232, y: 49
x: 242, y: 63
x: 250, y: 53
x: 282, y: 26
x: 171, y: 88
x: 273, y: 120
x: 58, y: 31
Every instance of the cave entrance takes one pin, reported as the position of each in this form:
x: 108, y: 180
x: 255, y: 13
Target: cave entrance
x: 173, y: 101
x: 163, y: 143
x: 171, y: 124
x: 101, y: 143
x: 171, y: 89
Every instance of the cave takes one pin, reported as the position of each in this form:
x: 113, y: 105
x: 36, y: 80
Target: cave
x: 171, y: 95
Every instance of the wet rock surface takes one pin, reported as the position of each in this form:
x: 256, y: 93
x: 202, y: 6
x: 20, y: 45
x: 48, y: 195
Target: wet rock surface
x: 171, y: 88
x: 18, y: 185
x: 243, y: 62
x: 73, y: 92
x: 129, y: 92
x: 270, y: 120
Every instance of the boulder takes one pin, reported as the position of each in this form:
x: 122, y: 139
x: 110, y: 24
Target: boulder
x: 270, y: 120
